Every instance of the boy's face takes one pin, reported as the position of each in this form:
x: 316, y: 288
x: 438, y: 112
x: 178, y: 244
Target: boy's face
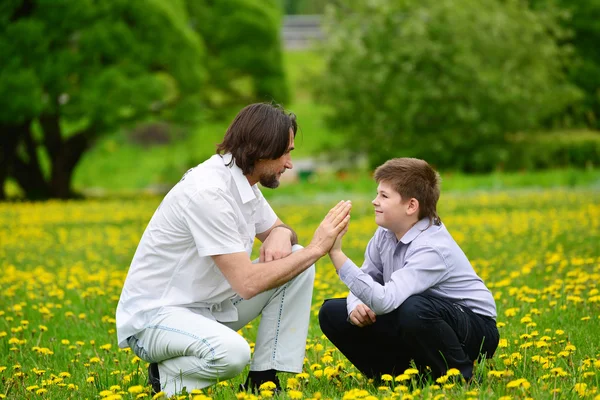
x: 390, y: 210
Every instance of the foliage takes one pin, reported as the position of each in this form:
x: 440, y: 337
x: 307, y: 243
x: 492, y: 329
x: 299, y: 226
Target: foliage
x: 305, y: 7
x: 554, y: 150
x: 583, y: 22
x: 81, y: 69
x: 243, y: 47
x: 64, y: 264
x: 441, y: 80
x: 75, y: 71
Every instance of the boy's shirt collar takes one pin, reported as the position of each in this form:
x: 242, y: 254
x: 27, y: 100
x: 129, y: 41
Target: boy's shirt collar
x: 412, y: 233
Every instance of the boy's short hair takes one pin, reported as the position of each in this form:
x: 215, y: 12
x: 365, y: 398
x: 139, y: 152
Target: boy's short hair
x: 413, y: 178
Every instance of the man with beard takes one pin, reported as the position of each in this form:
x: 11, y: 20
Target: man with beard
x: 191, y: 284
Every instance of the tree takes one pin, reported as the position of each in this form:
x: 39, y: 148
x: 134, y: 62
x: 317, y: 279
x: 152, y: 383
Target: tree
x: 444, y: 80
x: 75, y: 70
x: 243, y: 47
x: 583, y: 21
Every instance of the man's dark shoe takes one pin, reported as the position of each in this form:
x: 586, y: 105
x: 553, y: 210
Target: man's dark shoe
x: 256, y: 378
x: 154, y: 378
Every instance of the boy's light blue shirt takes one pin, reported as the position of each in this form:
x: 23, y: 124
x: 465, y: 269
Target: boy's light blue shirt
x: 426, y: 258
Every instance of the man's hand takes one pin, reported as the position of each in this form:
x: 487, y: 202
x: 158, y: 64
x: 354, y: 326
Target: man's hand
x: 276, y: 246
x: 362, y: 316
x: 332, y: 225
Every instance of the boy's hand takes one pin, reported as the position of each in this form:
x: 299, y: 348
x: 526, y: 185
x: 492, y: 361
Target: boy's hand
x: 362, y: 316
x: 331, y: 226
x: 337, y: 245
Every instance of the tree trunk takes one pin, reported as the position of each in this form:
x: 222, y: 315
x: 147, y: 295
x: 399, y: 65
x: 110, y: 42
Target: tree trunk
x: 63, y: 165
x: 28, y: 173
x: 9, y: 139
x: 64, y: 155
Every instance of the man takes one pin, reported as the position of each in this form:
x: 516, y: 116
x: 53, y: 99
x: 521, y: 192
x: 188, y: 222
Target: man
x: 191, y: 284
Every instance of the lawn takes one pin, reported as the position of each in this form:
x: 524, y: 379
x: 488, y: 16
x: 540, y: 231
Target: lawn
x: 538, y: 251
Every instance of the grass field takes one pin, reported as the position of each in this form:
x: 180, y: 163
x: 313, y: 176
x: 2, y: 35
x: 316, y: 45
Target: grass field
x: 538, y: 250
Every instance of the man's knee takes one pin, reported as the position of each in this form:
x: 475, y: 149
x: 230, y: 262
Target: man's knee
x: 233, y: 357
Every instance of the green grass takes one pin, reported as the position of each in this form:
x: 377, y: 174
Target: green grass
x: 64, y: 264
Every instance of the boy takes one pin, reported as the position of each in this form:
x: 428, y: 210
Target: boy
x: 416, y: 296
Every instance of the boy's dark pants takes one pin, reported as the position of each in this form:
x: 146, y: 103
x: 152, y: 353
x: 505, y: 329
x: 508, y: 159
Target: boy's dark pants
x: 428, y: 329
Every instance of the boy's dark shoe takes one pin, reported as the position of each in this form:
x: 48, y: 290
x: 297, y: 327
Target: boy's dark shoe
x: 154, y: 378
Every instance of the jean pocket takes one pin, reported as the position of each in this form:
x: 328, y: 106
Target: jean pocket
x: 462, y: 325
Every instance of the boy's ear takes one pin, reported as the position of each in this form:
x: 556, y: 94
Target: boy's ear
x: 413, y: 206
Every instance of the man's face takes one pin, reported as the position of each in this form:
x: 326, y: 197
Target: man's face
x: 390, y: 210
x: 270, y: 170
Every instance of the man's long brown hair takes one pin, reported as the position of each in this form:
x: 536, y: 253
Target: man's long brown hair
x: 259, y: 131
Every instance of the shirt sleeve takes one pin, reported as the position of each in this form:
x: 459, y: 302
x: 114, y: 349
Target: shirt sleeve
x: 213, y: 223
x: 423, y: 268
x: 372, y: 266
x: 265, y: 216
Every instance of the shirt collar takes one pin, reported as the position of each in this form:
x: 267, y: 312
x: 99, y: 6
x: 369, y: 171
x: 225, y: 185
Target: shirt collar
x: 415, y: 231
x: 241, y: 182
x: 411, y: 234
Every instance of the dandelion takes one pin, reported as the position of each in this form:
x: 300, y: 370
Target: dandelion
x: 136, y: 389
x: 580, y: 388
x: 295, y: 394
x: 303, y: 376
x: 386, y: 378
x: 269, y: 385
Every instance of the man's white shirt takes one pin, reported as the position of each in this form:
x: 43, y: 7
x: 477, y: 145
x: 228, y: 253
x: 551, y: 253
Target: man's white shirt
x: 213, y: 210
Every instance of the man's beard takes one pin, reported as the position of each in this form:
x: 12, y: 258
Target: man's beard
x: 269, y: 181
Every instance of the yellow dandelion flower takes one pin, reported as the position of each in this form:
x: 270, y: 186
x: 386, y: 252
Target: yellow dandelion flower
x: 295, y: 394
x: 453, y: 372
x: 386, y: 378
x: 267, y: 386
x: 136, y: 389
x: 449, y: 385
x: 266, y: 393
x: 401, y: 388
x: 41, y: 391
x: 580, y: 388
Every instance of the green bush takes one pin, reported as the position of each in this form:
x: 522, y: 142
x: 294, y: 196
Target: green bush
x: 579, y: 149
x: 444, y: 80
